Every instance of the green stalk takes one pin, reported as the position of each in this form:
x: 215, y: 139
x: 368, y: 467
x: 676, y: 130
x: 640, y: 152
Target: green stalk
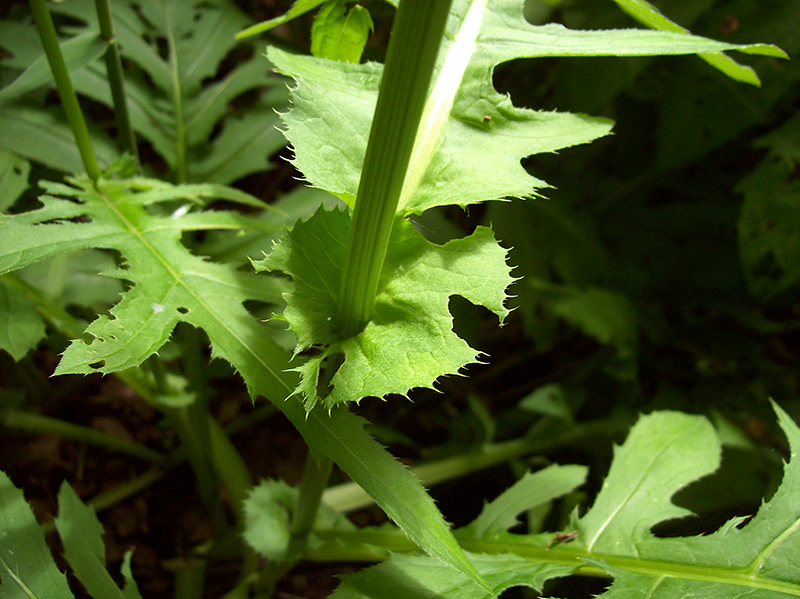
x: 177, y: 104
x: 43, y: 424
x: 315, y: 478
x: 195, y: 438
x: 410, y: 61
x: 115, y: 79
x: 69, y: 100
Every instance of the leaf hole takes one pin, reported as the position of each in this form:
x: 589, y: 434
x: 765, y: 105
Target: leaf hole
x: 97, y: 364
x: 184, y: 310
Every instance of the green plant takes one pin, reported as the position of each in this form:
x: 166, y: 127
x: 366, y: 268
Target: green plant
x: 370, y: 307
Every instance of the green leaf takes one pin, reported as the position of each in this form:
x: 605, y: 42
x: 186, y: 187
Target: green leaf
x: 300, y: 7
x: 755, y: 558
x: 27, y: 569
x: 339, y: 36
x: 607, y: 316
x: 664, y: 452
x: 21, y: 327
x: 82, y: 535
x: 180, y: 102
x: 466, y: 119
x: 78, y: 52
x: 14, y: 172
x: 416, y: 577
x: 268, y: 512
x: 648, y: 15
x: 769, y: 222
x: 532, y: 490
x: 169, y: 285
x: 409, y: 342
x: 44, y: 136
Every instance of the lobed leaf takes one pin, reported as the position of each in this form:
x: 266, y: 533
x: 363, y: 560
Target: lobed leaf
x: 664, y: 452
x: 409, y: 342
x: 466, y: 119
x: 744, y: 558
x: 171, y: 285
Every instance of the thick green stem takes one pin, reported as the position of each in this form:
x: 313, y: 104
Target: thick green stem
x: 115, y: 80
x: 69, y: 100
x: 410, y: 62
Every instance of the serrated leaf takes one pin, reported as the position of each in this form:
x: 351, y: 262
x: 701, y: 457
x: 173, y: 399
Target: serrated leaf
x: 339, y: 34
x: 268, y: 513
x: 27, y: 569
x: 663, y: 453
x: 530, y: 491
x: 198, y: 36
x: 409, y: 342
x: 81, y: 533
x: 416, y: 577
x: 466, y: 119
x: 742, y: 559
x: 209, y: 296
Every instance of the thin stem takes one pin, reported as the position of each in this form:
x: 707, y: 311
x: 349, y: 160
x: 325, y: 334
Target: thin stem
x: 43, y: 424
x: 315, y: 478
x: 115, y: 79
x: 69, y: 100
x: 177, y: 103
x: 194, y: 437
x: 410, y: 62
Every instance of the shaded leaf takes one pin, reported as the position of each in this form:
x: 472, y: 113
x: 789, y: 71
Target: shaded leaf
x: 27, y: 569
x: 81, y: 533
x: 78, y: 52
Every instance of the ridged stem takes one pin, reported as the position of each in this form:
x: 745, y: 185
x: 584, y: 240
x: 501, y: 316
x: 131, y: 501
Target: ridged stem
x: 69, y: 100
x: 410, y: 62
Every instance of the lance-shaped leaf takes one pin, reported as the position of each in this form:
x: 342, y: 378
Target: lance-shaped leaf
x: 27, y: 570
x: 467, y: 126
x: 82, y: 535
x: 410, y: 340
x: 170, y: 284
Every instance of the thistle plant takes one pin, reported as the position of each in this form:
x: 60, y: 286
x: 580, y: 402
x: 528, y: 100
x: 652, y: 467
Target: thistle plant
x: 368, y: 305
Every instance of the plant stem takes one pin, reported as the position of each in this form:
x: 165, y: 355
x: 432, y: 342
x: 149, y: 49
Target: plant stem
x: 177, y: 103
x: 410, y: 61
x: 115, y: 79
x: 43, y: 424
x: 315, y: 478
x: 69, y: 100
